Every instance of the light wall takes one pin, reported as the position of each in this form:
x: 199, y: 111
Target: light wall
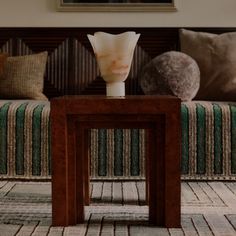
x: 43, y: 13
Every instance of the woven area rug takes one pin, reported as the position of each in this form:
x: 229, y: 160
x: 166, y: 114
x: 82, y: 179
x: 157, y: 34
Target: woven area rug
x: 118, y: 208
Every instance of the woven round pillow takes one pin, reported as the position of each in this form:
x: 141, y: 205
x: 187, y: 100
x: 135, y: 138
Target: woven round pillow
x: 171, y: 73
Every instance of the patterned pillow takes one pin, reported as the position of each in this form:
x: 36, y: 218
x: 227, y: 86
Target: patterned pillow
x: 3, y: 58
x: 23, y: 77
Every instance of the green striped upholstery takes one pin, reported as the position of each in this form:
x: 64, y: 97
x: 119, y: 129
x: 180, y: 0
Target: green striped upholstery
x: 208, y: 143
x: 208, y: 140
x: 117, y: 153
x: 24, y: 139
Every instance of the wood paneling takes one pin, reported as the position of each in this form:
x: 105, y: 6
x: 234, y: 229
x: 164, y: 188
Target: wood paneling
x: 72, y: 67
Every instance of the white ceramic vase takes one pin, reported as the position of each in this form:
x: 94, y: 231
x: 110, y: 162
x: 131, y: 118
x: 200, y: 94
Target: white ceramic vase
x: 114, y: 54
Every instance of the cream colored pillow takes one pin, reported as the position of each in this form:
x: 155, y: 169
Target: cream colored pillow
x: 216, y: 58
x: 23, y: 77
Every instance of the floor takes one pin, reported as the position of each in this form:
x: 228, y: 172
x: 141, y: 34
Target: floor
x: 118, y: 208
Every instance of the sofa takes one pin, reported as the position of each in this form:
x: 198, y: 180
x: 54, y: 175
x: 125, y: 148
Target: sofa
x: 208, y: 143
x: 208, y: 127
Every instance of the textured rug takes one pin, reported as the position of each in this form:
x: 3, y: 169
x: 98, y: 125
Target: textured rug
x: 118, y: 209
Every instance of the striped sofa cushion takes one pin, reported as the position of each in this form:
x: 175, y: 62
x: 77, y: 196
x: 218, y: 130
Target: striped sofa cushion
x: 208, y: 140
x: 117, y: 153
x: 208, y: 143
x: 24, y: 139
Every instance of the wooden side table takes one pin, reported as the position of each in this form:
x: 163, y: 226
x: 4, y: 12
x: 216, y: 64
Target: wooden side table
x: 73, y: 116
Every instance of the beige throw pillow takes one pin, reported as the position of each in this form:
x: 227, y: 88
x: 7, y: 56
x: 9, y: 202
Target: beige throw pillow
x: 24, y: 77
x: 216, y: 58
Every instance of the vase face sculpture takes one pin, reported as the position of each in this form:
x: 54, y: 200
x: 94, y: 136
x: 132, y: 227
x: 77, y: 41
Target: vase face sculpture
x: 114, y: 54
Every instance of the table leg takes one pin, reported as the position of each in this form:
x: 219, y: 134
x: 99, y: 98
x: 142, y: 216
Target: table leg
x: 164, y: 172
x: 156, y: 170
x: 71, y: 172
x: 86, y: 166
x: 172, y: 171
x: 147, y: 153
x: 59, y: 196
x: 80, y: 177
x: 63, y: 167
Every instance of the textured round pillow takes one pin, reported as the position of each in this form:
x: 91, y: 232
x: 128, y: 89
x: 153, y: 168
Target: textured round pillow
x: 171, y: 73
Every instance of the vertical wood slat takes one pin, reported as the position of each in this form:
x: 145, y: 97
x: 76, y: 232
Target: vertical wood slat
x: 86, y: 69
x: 22, y: 48
x: 58, y: 68
x: 140, y: 58
x: 6, y: 46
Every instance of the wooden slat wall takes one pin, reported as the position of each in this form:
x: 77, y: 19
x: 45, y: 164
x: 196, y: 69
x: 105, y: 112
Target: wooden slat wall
x: 72, y: 67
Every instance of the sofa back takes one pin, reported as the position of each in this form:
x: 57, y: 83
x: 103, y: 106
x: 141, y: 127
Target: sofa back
x: 71, y: 66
